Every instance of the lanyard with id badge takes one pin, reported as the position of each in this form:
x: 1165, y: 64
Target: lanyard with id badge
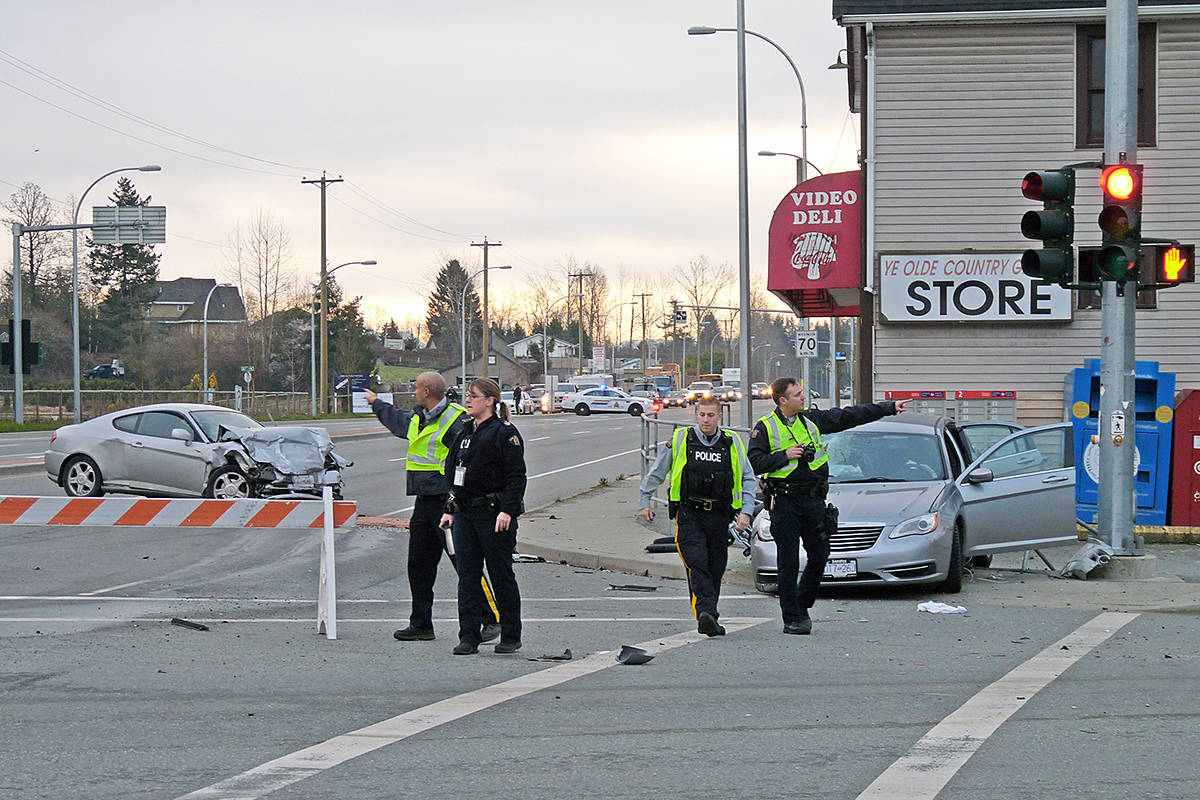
x: 460, y: 469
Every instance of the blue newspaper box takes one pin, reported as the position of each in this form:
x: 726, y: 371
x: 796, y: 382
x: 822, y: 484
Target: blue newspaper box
x: 1154, y: 394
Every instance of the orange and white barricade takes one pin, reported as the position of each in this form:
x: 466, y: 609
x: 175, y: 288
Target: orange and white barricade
x: 118, y: 511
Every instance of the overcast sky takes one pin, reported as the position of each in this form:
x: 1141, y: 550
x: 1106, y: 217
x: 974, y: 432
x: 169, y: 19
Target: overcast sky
x: 598, y: 130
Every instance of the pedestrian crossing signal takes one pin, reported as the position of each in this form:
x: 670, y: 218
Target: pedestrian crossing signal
x: 1175, y: 264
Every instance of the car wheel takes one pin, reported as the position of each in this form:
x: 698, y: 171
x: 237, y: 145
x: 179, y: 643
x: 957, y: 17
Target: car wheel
x: 981, y: 561
x: 228, y: 483
x: 582, y: 410
x: 81, y: 478
x: 954, y: 572
x: 635, y: 410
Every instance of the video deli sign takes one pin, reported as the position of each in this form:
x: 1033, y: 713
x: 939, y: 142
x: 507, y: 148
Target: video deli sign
x: 966, y: 287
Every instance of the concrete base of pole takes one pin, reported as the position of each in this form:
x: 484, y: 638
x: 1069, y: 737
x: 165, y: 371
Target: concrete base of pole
x: 1127, y: 568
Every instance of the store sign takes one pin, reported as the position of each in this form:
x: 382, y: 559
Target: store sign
x: 966, y: 287
x: 815, y: 238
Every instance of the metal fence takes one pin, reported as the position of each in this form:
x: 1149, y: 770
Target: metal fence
x: 56, y: 405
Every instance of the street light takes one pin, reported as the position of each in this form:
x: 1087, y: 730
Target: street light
x: 799, y: 163
x: 75, y: 273
x: 701, y: 30
x: 712, y: 342
x: 204, y: 369
x: 312, y: 332
x: 463, y: 339
x: 545, y: 360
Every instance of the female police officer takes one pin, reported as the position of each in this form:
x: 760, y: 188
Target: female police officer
x: 486, y: 470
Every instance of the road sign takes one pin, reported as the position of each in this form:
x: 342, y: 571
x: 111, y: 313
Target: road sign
x: 129, y: 224
x: 806, y: 344
x: 247, y: 377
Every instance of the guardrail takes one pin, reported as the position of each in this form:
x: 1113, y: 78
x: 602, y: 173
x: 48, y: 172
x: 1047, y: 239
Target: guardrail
x: 147, y: 512
x: 56, y: 405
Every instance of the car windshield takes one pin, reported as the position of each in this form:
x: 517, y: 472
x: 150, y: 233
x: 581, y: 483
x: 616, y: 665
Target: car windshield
x: 211, y: 421
x: 866, y: 456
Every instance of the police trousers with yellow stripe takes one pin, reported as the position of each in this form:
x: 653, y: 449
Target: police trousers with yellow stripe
x: 703, y: 541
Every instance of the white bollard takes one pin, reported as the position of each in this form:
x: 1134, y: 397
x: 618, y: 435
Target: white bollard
x: 327, y: 589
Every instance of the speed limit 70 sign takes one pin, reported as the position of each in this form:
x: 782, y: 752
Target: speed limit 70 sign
x: 806, y: 344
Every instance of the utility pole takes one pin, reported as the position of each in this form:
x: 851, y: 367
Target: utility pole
x: 323, y: 182
x: 486, y: 245
x: 645, y: 345
x: 571, y: 276
x: 1117, y: 498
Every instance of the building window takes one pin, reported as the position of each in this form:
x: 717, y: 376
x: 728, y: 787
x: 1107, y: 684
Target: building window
x: 181, y: 307
x: 1089, y: 90
x: 1089, y: 299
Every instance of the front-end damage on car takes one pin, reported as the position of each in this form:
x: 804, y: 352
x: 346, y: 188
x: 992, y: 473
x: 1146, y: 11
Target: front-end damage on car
x: 280, y: 461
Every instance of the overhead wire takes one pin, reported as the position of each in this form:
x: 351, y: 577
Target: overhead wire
x: 363, y: 193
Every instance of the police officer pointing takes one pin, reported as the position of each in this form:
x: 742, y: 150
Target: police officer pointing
x: 787, y: 452
x: 711, y: 482
x: 429, y: 429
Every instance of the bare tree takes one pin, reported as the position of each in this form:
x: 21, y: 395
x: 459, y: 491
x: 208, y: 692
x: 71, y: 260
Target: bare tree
x: 260, y: 265
x: 702, y: 283
x: 43, y: 252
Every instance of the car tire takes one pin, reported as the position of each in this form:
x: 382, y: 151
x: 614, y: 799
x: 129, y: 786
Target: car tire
x: 81, y: 478
x: 954, y: 572
x: 582, y: 410
x: 227, y: 483
x: 981, y: 561
x: 635, y: 410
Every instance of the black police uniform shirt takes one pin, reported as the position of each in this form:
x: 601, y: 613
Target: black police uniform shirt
x: 827, y: 421
x: 493, y: 454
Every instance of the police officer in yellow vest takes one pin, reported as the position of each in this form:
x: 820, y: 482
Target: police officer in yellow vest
x: 429, y: 429
x: 711, y: 482
x: 787, y: 452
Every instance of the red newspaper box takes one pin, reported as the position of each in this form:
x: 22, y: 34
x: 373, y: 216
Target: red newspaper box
x: 1185, y: 460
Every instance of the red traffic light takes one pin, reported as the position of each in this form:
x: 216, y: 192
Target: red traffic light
x: 1119, y: 182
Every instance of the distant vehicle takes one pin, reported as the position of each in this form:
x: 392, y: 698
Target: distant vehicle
x: 714, y: 378
x: 647, y: 394
x: 114, y: 369
x: 732, y: 376
x: 594, y: 379
x: 727, y: 394
x: 191, y: 450
x: 676, y: 398
x: 698, y: 389
x: 921, y: 497
x: 760, y: 390
x: 600, y: 398
x: 562, y: 391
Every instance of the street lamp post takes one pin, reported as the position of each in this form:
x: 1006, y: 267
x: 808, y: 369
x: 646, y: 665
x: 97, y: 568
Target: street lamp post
x: 204, y: 368
x: 463, y: 307
x: 701, y: 30
x: 75, y: 274
x: 711, y: 343
x: 799, y: 163
x: 319, y: 286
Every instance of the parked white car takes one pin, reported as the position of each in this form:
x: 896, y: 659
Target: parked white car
x: 601, y: 398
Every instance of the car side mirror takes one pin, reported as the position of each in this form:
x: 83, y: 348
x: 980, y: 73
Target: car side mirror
x: 182, y: 434
x: 980, y: 475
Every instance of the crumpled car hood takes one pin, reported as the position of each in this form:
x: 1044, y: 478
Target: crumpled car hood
x: 290, y: 450
x: 886, y: 503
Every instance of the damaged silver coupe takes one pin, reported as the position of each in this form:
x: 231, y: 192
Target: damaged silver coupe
x: 192, y: 450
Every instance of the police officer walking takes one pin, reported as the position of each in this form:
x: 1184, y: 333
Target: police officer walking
x: 429, y: 429
x: 787, y: 452
x: 711, y: 483
x: 486, y: 469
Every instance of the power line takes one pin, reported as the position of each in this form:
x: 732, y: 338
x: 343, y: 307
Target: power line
x: 361, y: 192
x: 360, y: 212
x: 87, y: 97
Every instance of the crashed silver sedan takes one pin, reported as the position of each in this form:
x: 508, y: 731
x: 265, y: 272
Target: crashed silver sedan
x: 192, y: 450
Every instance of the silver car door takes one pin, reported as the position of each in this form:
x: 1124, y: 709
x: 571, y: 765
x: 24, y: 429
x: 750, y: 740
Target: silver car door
x: 160, y: 463
x: 1029, y: 499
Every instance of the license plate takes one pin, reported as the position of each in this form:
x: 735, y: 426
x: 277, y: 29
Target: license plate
x: 841, y: 568
x: 303, y: 481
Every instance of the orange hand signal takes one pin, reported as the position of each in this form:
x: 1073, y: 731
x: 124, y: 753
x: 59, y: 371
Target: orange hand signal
x: 1173, y: 264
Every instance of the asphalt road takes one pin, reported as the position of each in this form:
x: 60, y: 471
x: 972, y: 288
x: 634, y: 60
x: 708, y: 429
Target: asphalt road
x: 104, y: 698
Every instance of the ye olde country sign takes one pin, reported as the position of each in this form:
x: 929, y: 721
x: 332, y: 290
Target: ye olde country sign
x: 966, y: 287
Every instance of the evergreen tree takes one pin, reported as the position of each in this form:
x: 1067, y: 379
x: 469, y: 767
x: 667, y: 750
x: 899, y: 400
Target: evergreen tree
x: 444, y: 319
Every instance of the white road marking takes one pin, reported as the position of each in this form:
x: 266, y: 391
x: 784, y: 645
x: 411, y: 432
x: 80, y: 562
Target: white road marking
x: 394, y: 460
x: 538, y: 439
x: 310, y: 761
x: 932, y: 762
x: 342, y: 620
x: 114, y: 588
x: 543, y: 474
x: 637, y: 597
x: 580, y: 433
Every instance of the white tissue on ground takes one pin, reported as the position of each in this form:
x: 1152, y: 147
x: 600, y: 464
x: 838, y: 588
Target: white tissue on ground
x: 934, y: 607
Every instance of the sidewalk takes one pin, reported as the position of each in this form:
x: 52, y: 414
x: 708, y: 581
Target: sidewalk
x: 599, y: 529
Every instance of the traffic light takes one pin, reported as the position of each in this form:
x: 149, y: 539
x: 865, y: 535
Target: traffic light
x: 1175, y: 264
x: 31, y: 351
x: 6, y: 350
x: 1121, y: 221
x: 1054, y: 226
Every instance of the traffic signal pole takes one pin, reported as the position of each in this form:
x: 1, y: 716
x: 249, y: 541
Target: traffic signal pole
x: 1117, y: 499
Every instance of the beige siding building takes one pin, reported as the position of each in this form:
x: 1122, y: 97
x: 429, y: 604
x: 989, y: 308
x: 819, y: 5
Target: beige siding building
x: 956, y: 106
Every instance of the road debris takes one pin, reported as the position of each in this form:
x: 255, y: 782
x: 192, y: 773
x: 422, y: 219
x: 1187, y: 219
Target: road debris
x: 934, y: 607
x: 631, y: 655
x: 631, y: 587
x: 185, y: 623
x: 566, y: 656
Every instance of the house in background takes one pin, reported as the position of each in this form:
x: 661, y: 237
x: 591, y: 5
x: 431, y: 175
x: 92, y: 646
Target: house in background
x: 180, y: 304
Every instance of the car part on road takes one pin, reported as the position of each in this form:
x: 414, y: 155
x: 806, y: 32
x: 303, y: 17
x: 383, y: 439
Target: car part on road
x: 631, y: 587
x: 187, y: 623
x: 632, y: 656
